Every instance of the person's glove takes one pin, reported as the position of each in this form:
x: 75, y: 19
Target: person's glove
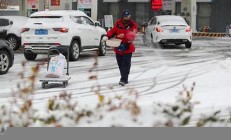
x: 120, y: 36
x: 130, y: 36
x: 104, y: 39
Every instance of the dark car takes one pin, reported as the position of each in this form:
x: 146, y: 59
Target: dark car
x: 6, y: 56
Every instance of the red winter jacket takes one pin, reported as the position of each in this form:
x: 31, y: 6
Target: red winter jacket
x: 129, y: 30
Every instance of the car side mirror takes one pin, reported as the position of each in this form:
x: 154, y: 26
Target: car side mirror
x: 11, y: 22
x: 145, y: 24
x: 97, y: 23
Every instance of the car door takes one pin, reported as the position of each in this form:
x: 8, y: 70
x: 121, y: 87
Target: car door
x: 150, y: 28
x: 93, y: 33
x: 147, y: 29
x: 82, y: 30
x: 154, y: 31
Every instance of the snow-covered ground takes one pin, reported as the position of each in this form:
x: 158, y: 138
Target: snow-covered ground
x: 158, y: 74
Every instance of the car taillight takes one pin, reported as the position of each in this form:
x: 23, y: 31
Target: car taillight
x: 188, y: 29
x: 62, y: 30
x: 25, y: 44
x: 50, y: 44
x: 25, y: 30
x: 57, y: 44
x: 159, y: 29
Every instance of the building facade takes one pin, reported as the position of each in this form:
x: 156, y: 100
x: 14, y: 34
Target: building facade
x: 140, y: 9
x: 9, y: 7
x: 220, y: 15
x: 214, y: 14
x: 4, y: 4
x: 27, y: 7
x: 203, y: 13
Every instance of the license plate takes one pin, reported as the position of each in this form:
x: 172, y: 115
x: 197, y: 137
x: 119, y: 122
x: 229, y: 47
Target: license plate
x: 41, y: 32
x: 40, y: 46
x: 174, y: 30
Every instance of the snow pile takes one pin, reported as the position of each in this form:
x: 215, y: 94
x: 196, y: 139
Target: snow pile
x: 226, y: 64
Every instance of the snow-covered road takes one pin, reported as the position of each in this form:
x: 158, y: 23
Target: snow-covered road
x: 157, y: 74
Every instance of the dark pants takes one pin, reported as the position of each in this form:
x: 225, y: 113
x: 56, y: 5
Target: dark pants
x: 124, y: 63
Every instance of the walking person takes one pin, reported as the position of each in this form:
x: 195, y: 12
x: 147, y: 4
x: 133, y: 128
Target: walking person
x: 124, y: 29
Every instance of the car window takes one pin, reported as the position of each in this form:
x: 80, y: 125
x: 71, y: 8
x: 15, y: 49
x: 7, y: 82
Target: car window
x: 79, y: 20
x: 4, y: 22
x: 88, y: 21
x: 150, y: 22
x: 173, y: 22
x: 73, y: 18
x: 153, y: 21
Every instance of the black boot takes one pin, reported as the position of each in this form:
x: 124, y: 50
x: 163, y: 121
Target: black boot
x: 122, y: 83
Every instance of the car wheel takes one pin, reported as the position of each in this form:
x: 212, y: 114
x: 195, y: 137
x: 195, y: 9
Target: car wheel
x: 30, y: 56
x: 188, y: 45
x: 4, y: 62
x: 14, y: 42
x: 102, y: 48
x: 74, y: 51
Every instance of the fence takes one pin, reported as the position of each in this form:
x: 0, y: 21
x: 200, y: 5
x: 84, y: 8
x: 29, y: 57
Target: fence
x: 207, y: 34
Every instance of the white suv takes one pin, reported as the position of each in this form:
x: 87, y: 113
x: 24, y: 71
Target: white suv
x: 13, y: 26
x: 62, y: 30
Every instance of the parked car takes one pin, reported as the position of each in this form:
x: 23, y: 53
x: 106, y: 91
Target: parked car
x: 13, y: 26
x: 168, y: 29
x: 62, y: 30
x: 6, y: 56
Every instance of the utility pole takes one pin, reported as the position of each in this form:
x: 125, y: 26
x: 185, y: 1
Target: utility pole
x: 94, y: 9
x: 189, y: 12
x: 22, y: 7
x: 173, y: 7
x: 193, y: 14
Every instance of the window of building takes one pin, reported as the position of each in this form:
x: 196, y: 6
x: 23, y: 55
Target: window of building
x: 114, y: 10
x: 203, y: 14
x: 142, y: 13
